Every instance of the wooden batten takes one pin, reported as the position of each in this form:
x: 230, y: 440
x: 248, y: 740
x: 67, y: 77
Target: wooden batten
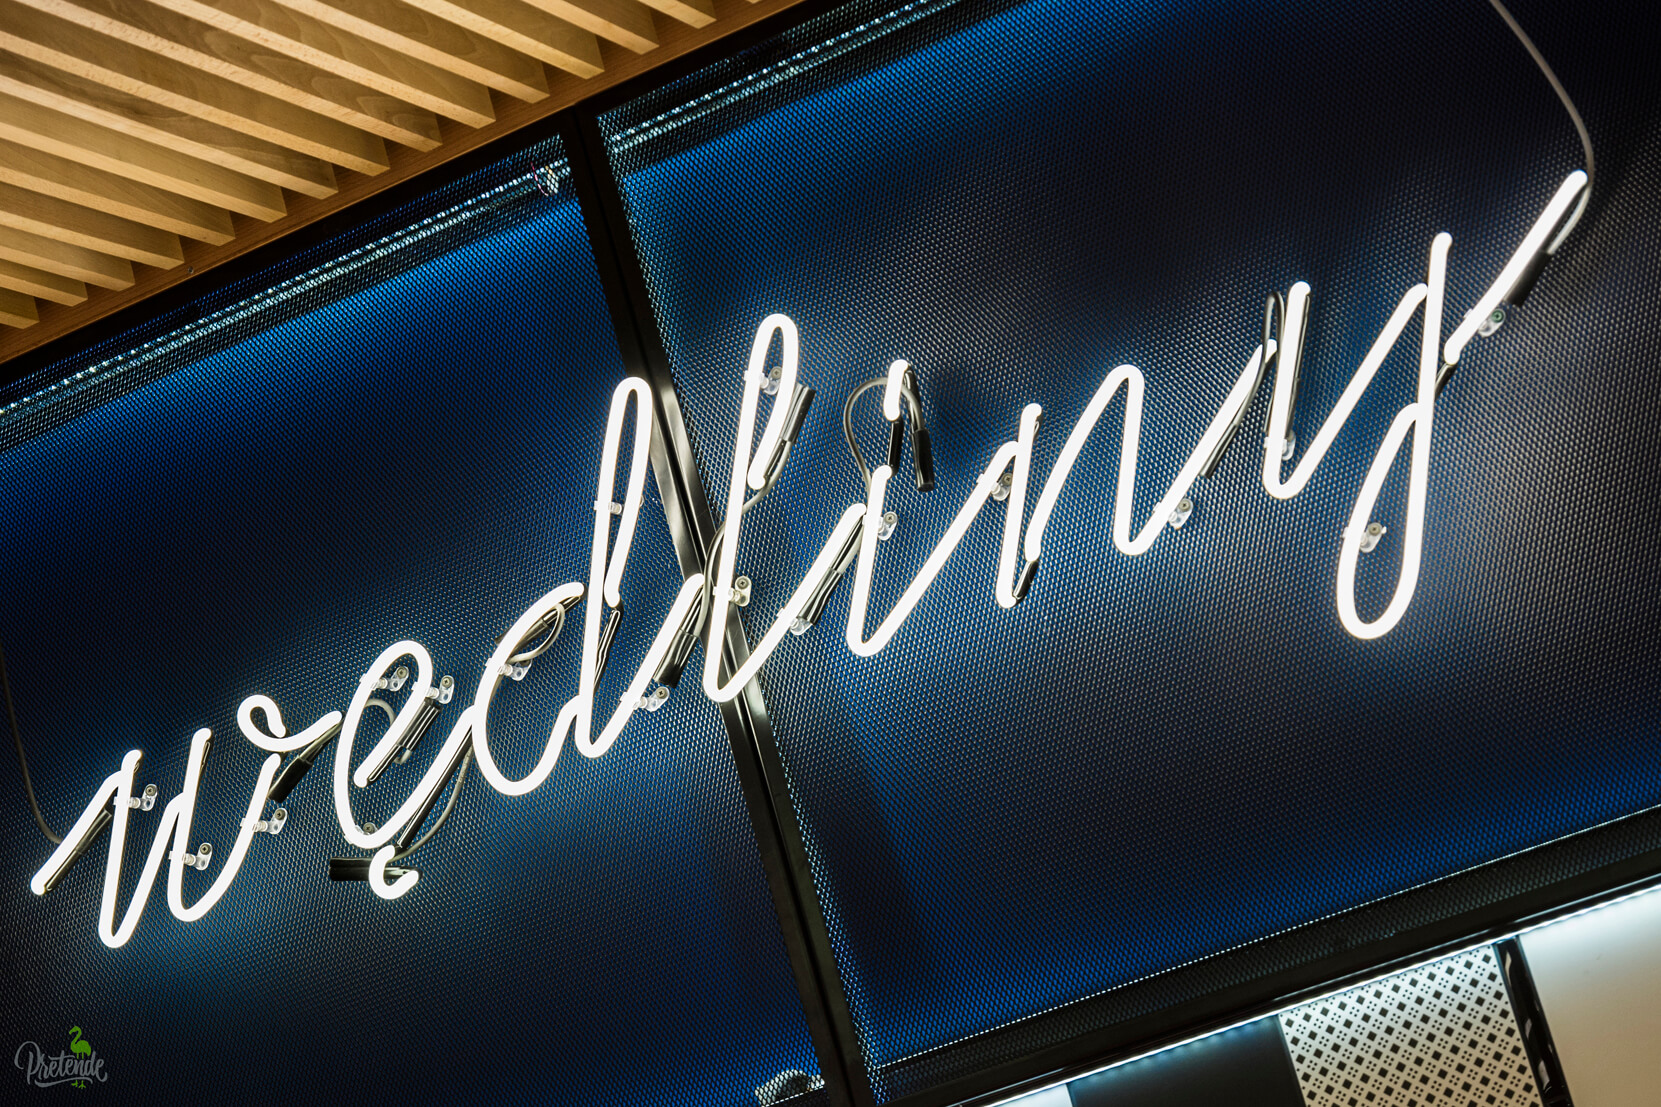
x: 143, y: 142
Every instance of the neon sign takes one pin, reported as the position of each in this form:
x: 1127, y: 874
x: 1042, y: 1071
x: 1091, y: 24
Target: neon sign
x: 858, y: 531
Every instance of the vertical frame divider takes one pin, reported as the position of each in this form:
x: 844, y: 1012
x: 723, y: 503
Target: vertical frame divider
x: 761, y: 770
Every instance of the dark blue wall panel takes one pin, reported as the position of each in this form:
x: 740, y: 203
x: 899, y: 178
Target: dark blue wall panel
x: 403, y: 451
x: 1156, y: 760
x: 1152, y: 764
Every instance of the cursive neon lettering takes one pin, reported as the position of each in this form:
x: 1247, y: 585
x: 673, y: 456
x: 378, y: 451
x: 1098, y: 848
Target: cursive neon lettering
x: 181, y: 834
x: 858, y: 522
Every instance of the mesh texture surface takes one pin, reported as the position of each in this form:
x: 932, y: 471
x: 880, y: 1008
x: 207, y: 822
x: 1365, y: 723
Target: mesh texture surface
x: 400, y: 442
x: 1113, y: 798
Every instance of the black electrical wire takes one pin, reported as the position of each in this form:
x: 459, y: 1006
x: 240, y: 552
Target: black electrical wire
x: 22, y: 761
x: 461, y: 775
x: 721, y: 531
x: 1274, y: 323
x: 848, y: 421
x: 800, y: 400
x: 556, y: 620
x: 1568, y: 105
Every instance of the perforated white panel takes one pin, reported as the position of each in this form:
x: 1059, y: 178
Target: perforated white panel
x: 1443, y: 1035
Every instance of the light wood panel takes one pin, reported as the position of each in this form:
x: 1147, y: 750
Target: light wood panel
x: 196, y: 46
x: 621, y: 21
x: 80, y: 141
x: 65, y: 259
x: 164, y: 127
x: 17, y: 310
x: 95, y: 188
x: 179, y: 134
x: 51, y: 41
x: 449, y: 46
x: 39, y: 283
x: 694, y: 13
x: 299, y: 36
x: 530, y: 30
x: 96, y: 230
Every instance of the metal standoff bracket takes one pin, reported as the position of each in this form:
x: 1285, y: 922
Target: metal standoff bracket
x: 1370, y: 536
x: 273, y: 825
x: 145, y: 802
x: 659, y: 697
x: 1185, y: 508
x: 741, y: 591
x: 197, y: 860
x: 1000, y: 492
x: 885, y: 530
x: 399, y: 677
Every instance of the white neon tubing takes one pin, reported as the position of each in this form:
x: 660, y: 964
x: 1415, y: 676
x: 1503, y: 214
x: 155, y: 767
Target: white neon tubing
x: 1311, y: 460
x: 276, y: 742
x: 118, y: 842
x: 118, y: 786
x: 377, y: 875
x: 1136, y: 385
x: 578, y: 713
x: 406, y: 715
x: 563, y: 596
x: 1286, y: 365
x: 108, y: 932
x: 793, y: 608
x: 725, y: 565
x: 1016, y: 506
x: 431, y: 783
x: 630, y: 699
x: 773, y: 433
x: 635, y: 490
x: 1532, y: 244
x: 1415, y: 417
x: 892, y: 388
x: 181, y: 832
x: 100, y: 798
x: 860, y: 598
x: 579, y: 708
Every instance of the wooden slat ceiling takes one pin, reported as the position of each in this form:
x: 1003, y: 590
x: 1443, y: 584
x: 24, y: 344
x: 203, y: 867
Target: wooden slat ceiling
x: 145, y: 141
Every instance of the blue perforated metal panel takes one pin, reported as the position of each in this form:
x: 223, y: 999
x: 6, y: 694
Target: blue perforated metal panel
x: 401, y: 442
x: 1155, y: 761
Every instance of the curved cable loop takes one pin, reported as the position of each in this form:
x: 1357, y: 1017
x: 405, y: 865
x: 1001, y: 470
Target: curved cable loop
x: 1574, y: 116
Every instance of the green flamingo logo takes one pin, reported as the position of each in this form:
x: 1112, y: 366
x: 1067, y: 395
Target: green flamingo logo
x: 79, y: 1047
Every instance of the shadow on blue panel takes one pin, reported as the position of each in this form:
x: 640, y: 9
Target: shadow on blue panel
x: 401, y: 445
x: 1244, y: 1067
x: 1155, y: 760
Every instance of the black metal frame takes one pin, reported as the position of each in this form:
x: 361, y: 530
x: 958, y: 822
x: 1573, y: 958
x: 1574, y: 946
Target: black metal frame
x: 1357, y: 945
x: 761, y: 771
x: 1531, y: 1020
